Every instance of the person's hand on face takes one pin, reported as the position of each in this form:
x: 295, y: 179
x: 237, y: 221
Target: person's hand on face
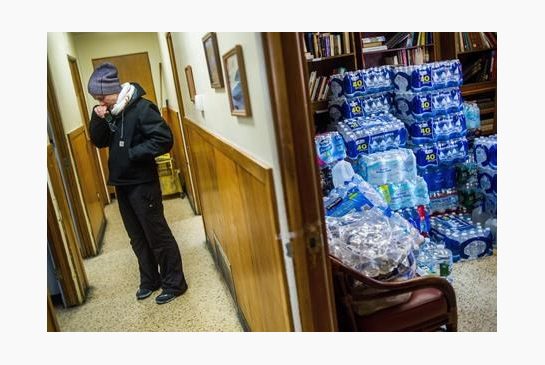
x: 101, y: 110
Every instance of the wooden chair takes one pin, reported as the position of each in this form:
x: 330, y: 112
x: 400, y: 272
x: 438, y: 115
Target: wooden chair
x: 430, y: 307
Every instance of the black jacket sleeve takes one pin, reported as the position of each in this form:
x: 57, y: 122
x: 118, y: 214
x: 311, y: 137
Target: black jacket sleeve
x: 157, y: 134
x: 101, y: 134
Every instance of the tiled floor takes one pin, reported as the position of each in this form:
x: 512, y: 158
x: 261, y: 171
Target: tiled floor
x: 207, y: 305
x: 475, y: 285
x: 113, y: 277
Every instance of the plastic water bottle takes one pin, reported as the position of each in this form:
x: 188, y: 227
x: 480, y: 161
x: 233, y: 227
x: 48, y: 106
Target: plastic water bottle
x: 443, y: 261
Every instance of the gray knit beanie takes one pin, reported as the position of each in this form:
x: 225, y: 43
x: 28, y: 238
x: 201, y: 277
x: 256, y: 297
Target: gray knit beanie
x: 104, y: 80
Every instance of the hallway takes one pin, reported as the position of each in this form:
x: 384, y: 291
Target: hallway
x: 113, y: 277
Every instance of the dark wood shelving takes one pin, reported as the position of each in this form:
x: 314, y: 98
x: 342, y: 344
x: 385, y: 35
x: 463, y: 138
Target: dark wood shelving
x: 476, y: 50
x: 487, y: 110
x: 330, y: 58
x: 478, y: 87
x: 395, y: 49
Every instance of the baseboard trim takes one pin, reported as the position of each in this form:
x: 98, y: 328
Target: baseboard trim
x: 215, y: 256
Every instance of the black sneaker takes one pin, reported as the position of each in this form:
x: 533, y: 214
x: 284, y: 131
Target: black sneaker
x: 143, y: 293
x: 166, y: 296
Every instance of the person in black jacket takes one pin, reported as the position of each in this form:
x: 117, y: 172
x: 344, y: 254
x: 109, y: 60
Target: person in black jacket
x: 135, y: 133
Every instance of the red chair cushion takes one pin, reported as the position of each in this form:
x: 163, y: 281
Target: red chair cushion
x: 425, y: 305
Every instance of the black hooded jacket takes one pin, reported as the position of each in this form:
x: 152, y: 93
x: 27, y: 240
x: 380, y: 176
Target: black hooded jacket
x: 135, y: 137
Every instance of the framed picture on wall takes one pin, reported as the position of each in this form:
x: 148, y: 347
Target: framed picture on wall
x: 237, y: 84
x: 212, y: 54
x: 190, y: 82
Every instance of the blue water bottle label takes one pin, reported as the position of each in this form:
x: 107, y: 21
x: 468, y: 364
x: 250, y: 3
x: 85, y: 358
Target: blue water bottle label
x: 422, y: 105
x: 362, y: 145
x: 353, y: 108
x: 422, y: 131
x: 427, y: 157
x: 421, y: 79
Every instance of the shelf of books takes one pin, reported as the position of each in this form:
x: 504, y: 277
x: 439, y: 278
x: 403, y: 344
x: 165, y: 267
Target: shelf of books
x: 327, y: 53
x: 402, y: 48
x: 478, y: 56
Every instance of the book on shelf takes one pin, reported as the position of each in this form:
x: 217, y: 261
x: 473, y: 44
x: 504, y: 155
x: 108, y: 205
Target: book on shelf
x: 397, y: 39
x: 472, y: 70
x: 470, y: 41
x: 312, y: 79
x: 372, y: 49
x: 314, y: 89
x: 367, y: 40
x: 326, y: 44
x: 346, y: 43
x: 373, y: 44
x: 323, y: 85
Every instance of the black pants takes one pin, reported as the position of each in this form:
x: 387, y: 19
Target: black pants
x: 141, y: 208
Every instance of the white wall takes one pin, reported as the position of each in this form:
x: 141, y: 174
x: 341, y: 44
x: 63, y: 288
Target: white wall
x: 254, y: 135
x: 98, y: 45
x: 59, y: 46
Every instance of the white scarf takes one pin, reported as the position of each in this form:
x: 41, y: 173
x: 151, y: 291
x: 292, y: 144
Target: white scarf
x: 123, y: 98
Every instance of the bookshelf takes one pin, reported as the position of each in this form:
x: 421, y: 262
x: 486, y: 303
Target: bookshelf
x: 401, y: 48
x: 326, y: 53
x: 477, y: 53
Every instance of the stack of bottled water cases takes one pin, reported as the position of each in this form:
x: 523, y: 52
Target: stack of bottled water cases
x: 360, y: 93
x: 428, y: 99
x: 485, y: 154
x: 373, y: 133
x: 393, y: 174
x: 459, y: 234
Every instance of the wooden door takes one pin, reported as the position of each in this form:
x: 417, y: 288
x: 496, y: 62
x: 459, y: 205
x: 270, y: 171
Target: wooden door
x: 62, y: 238
x: 288, y: 85
x: 82, y: 153
x: 133, y: 68
x: 85, y: 117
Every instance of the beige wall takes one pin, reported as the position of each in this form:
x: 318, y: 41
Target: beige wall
x: 254, y: 135
x: 59, y: 46
x: 98, y: 45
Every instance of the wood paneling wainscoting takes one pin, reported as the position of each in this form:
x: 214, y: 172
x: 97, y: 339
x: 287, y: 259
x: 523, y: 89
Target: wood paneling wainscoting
x: 239, y: 211
x: 85, y: 170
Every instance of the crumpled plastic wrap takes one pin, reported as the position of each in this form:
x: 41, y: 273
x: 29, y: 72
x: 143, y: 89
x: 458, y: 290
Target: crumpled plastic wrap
x: 372, y: 243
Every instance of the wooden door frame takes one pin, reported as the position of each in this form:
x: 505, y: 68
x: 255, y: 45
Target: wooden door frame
x: 83, y: 232
x: 288, y: 86
x: 78, y: 88
x: 179, y: 100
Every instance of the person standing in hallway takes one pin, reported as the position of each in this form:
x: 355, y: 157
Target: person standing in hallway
x: 135, y: 133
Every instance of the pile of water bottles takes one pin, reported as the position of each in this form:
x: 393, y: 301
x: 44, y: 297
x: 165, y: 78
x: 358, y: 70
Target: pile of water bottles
x: 398, y: 154
x: 428, y: 99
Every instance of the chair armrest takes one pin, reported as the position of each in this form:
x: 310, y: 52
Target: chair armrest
x: 397, y: 287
